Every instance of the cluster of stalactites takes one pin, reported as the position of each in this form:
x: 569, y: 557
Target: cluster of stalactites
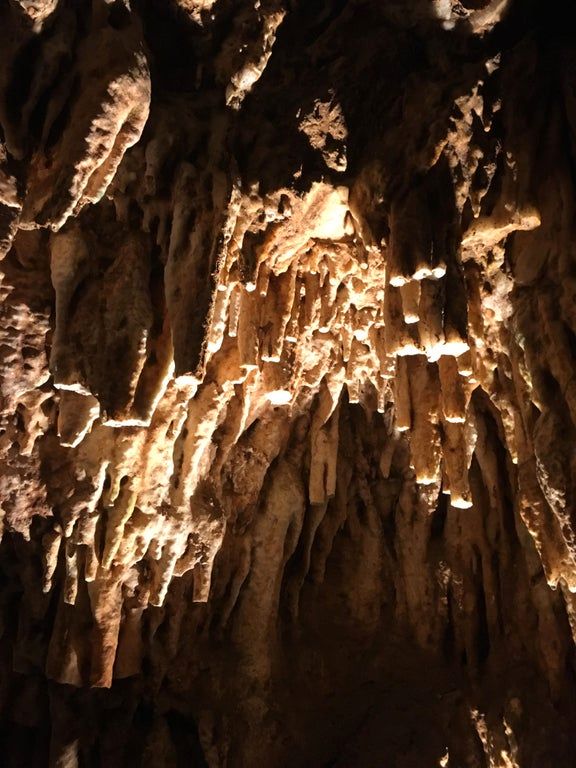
x: 302, y: 306
x: 269, y: 308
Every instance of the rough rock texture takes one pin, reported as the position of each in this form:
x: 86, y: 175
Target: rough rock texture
x: 287, y: 383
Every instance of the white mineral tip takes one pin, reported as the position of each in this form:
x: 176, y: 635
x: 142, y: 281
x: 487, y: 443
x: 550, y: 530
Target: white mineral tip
x: 280, y: 396
x: 460, y: 503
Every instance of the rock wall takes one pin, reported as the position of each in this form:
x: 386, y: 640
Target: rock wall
x: 287, y: 383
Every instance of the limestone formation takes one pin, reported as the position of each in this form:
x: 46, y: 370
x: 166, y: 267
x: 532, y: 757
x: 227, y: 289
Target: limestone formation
x: 287, y: 383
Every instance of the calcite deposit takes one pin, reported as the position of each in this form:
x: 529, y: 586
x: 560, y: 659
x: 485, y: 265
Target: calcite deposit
x: 287, y: 384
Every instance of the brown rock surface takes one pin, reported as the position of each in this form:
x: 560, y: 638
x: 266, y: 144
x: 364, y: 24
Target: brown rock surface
x: 287, y: 383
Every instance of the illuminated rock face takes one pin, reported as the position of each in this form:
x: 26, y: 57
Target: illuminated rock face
x: 287, y: 384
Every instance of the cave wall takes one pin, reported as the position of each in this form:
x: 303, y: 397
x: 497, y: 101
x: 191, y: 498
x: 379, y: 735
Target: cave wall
x: 287, y: 383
